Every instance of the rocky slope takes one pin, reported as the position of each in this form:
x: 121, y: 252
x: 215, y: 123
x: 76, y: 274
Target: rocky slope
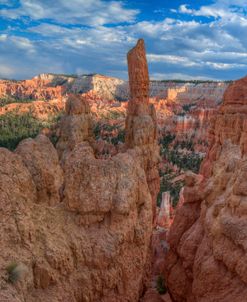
x: 208, y: 252
x: 76, y: 227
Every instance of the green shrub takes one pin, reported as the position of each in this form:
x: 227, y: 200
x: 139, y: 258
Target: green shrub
x: 13, y: 272
x: 9, y: 99
x: 16, y: 271
x: 187, y: 107
x: 160, y: 285
x: 119, y: 138
x: 166, y: 140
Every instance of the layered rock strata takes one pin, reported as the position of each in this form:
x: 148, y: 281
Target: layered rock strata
x: 208, y: 251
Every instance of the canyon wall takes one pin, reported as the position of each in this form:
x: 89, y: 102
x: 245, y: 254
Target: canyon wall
x: 36, y: 89
x: 76, y: 227
x: 182, y: 109
x: 208, y: 253
x: 188, y: 92
x: 50, y: 86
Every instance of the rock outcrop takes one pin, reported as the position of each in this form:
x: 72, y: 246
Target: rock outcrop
x: 141, y: 123
x: 208, y: 252
x: 78, y: 229
x: 75, y: 125
x: 41, y: 159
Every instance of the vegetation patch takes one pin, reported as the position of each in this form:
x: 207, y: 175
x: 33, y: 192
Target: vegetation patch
x: 105, y: 131
x: 184, y: 161
x: 160, y: 285
x: 182, y: 155
x: 15, y: 271
x: 11, y: 99
x: 15, y: 127
x: 167, y: 185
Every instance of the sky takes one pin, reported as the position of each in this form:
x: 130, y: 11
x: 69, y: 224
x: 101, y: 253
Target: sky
x: 185, y: 39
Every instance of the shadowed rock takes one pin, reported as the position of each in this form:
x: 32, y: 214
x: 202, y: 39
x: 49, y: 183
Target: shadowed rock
x: 208, y: 238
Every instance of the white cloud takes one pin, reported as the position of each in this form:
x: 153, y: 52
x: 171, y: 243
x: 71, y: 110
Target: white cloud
x: 171, y: 59
x: 3, y: 37
x: 180, y: 76
x: 225, y: 9
x: 6, y: 71
x: 87, y: 12
x: 224, y: 66
x: 177, y: 48
x: 185, y: 10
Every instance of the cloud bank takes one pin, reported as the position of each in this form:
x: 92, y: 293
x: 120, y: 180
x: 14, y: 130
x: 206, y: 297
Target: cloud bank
x: 93, y: 36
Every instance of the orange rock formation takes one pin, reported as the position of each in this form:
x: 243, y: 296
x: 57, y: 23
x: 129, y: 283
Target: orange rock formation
x: 208, y: 252
x: 39, y: 109
x: 141, y: 124
x: 78, y: 229
x: 35, y: 89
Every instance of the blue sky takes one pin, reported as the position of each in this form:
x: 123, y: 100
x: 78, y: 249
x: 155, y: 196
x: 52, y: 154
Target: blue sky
x: 184, y: 39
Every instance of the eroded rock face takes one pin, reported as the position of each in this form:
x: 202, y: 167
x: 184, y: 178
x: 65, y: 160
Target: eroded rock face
x: 80, y: 226
x: 41, y: 159
x: 141, y: 123
x: 208, y: 252
x: 76, y: 125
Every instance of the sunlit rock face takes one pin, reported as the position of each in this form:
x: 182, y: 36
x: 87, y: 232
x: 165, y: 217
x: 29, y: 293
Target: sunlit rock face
x: 141, y: 122
x: 75, y: 125
x: 75, y: 227
x: 36, y: 89
x: 208, y: 251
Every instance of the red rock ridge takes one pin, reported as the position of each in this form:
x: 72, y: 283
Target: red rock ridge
x: 208, y: 252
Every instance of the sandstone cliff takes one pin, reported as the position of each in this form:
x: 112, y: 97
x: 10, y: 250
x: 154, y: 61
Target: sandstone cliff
x: 79, y: 228
x: 208, y: 252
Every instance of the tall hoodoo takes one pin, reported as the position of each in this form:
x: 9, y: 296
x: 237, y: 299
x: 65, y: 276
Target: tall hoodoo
x: 138, y: 79
x: 141, y: 123
x: 207, y: 260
